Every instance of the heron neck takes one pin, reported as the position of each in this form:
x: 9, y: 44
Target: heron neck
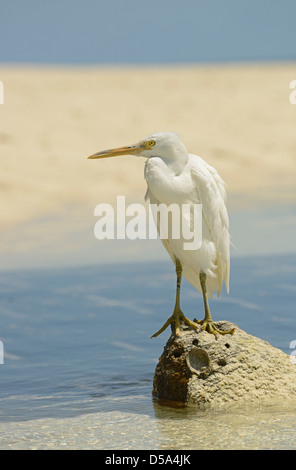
x: 177, y: 163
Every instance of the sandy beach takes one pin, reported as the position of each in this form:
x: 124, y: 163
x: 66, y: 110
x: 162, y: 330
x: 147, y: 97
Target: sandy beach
x: 238, y: 117
x: 79, y: 359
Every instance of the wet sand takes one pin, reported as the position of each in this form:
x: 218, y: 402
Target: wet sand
x: 266, y: 427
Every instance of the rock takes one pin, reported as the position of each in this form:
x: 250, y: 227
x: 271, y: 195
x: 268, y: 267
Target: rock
x: 197, y: 368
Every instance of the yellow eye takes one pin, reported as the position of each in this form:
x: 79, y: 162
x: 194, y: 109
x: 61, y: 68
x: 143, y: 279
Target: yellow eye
x: 151, y: 143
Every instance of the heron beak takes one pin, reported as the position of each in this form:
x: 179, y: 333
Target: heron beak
x: 130, y: 150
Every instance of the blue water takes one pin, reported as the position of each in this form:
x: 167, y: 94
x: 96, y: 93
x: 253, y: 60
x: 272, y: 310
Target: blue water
x: 77, y: 340
x: 136, y: 31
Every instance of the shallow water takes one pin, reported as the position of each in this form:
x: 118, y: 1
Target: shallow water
x: 159, y: 428
x: 79, y: 362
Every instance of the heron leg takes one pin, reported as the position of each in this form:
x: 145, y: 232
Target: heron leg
x: 207, y: 323
x: 178, y: 315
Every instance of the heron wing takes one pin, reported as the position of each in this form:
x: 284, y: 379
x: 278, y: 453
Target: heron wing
x: 212, y: 195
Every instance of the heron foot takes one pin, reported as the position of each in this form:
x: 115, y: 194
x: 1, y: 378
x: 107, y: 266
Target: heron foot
x: 176, y: 318
x: 210, y: 327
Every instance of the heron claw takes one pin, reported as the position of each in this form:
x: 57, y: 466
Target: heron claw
x: 210, y: 327
x: 176, y: 318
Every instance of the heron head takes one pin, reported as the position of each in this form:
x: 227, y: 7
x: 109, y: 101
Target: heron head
x: 162, y: 144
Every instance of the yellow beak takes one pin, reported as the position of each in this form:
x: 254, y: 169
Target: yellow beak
x: 130, y: 150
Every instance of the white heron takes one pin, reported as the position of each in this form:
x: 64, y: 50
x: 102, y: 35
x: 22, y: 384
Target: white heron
x: 175, y: 176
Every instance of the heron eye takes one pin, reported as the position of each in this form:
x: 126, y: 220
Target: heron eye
x: 151, y: 143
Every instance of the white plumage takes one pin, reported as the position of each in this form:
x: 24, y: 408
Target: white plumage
x: 175, y: 176
x: 184, y: 178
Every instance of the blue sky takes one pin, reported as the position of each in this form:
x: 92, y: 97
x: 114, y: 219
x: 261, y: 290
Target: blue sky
x: 154, y: 31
